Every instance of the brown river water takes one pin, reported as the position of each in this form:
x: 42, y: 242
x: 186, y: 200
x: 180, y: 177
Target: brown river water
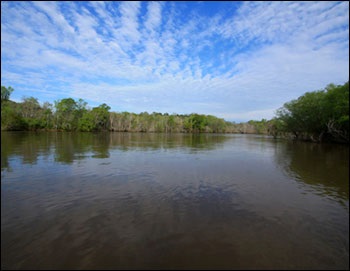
x: 172, y: 201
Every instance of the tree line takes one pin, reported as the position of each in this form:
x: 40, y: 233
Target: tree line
x: 75, y: 115
x: 318, y: 116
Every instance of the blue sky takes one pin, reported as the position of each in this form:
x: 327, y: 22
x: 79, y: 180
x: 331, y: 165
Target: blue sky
x: 235, y: 60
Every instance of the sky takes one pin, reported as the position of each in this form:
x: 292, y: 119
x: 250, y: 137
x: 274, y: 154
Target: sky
x: 235, y: 60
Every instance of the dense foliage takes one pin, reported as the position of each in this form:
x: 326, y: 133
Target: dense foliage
x: 71, y: 115
x: 318, y: 115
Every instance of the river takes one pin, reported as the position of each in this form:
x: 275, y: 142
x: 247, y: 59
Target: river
x: 172, y: 201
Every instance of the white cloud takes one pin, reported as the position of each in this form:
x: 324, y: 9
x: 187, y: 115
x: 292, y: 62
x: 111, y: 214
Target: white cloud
x: 154, y: 16
x: 129, y: 20
x: 51, y: 9
x: 152, y: 56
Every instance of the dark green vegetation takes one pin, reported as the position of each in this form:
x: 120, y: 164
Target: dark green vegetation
x: 70, y: 115
x: 317, y: 116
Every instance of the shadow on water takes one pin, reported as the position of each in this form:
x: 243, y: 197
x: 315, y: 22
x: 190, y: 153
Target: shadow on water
x: 324, y: 167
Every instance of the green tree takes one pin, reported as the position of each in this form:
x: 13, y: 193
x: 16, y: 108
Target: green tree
x: 275, y: 127
x: 171, y: 123
x: 47, y: 116
x: 11, y: 119
x: 86, y: 122
x: 318, y: 114
x: 95, y: 120
x: 215, y: 124
x: 6, y: 93
x: 66, y: 114
x: 337, y: 108
x: 30, y: 107
x: 196, y: 123
x: 101, y: 114
x: 31, y: 112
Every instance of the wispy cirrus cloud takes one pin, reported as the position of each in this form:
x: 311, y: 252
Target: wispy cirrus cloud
x: 231, y: 59
x: 154, y: 17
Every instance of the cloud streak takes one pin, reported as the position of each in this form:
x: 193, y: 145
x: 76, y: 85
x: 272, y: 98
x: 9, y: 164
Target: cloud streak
x: 238, y: 61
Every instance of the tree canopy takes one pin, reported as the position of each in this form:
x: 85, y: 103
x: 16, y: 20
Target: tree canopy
x: 6, y: 93
x: 318, y: 115
x: 321, y: 115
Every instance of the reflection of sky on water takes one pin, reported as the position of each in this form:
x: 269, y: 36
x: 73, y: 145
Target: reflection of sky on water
x: 241, y: 198
x: 319, y: 169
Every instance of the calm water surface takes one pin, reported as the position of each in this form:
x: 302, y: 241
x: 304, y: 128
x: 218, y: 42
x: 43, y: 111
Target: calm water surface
x: 157, y: 201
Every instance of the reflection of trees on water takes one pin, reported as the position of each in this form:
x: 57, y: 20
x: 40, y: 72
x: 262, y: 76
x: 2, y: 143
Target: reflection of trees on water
x: 322, y: 166
x: 73, y: 146
x: 154, y: 141
x: 67, y: 147
x: 25, y: 146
